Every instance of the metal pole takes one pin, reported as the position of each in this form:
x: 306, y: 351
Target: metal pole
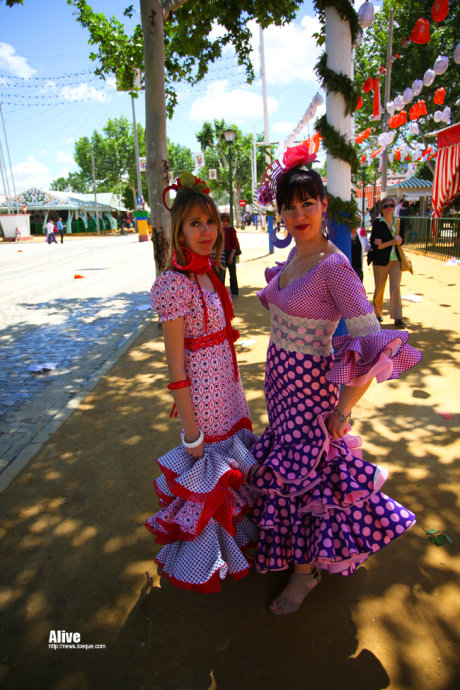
x: 136, y: 151
x: 387, y: 98
x: 230, y: 181
x: 364, y: 186
x: 264, y: 98
x: 5, y: 179
x: 95, y: 193
x: 8, y: 150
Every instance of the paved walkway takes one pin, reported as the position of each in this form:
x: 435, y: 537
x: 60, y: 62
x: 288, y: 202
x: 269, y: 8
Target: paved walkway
x: 79, y: 325
x: 76, y: 557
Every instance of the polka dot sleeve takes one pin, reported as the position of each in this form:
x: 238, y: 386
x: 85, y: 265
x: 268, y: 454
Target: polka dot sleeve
x: 270, y: 273
x: 367, y: 352
x: 171, y: 295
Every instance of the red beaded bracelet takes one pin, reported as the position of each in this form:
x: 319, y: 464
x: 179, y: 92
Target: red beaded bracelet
x: 179, y: 384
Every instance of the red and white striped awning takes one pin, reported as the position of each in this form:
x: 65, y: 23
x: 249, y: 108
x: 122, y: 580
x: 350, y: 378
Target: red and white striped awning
x: 369, y: 194
x: 446, y: 185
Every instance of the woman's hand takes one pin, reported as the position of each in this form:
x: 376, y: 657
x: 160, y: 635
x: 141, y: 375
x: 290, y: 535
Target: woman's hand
x: 377, y: 242
x: 398, y: 239
x: 198, y: 451
x: 336, y: 427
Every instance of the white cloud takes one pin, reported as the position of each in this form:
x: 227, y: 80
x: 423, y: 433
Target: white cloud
x: 65, y: 158
x: 83, y: 92
x: 290, y: 51
x: 49, y: 85
x: 13, y: 63
x: 31, y: 173
x: 237, y: 105
x: 68, y: 140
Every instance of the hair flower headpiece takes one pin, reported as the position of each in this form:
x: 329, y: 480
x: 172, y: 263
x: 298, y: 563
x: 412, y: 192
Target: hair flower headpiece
x: 186, y: 182
x: 294, y: 155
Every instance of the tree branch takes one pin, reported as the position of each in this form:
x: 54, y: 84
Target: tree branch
x: 170, y: 6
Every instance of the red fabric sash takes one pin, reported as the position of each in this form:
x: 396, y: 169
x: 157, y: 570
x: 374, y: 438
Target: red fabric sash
x: 199, y: 264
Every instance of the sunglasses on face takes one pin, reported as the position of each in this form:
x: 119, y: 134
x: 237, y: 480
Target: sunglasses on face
x: 388, y: 206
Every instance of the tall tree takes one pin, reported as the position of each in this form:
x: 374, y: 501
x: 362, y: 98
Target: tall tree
x: 216, y: 156
x: 409, y: 62
x: 173, y: 44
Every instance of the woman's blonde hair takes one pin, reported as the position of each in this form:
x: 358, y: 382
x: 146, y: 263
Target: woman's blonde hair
x: 182, y: 204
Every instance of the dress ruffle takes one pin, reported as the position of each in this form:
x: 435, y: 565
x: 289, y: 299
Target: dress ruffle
x: 320, y: 502
x: 202, y: 521
x: 360, y: 359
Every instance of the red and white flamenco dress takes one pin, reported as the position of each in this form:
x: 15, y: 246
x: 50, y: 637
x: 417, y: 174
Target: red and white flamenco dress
x: 202, y: 521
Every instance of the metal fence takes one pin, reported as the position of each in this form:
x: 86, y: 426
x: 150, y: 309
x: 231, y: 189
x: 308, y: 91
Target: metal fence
x: 438, y: 238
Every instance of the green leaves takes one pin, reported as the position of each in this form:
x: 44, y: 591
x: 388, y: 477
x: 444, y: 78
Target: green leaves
x: 439, y: 539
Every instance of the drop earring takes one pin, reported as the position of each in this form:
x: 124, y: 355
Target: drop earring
x: 324, y: 227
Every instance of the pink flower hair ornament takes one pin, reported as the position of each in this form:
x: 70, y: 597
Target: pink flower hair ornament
x: 294, y: 155
x: 186, y: 182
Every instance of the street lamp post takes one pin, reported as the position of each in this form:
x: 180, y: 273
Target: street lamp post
x: 229, y: 136
x: 363, y: 165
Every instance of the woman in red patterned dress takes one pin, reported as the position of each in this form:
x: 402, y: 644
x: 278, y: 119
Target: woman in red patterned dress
x: 202, y: 488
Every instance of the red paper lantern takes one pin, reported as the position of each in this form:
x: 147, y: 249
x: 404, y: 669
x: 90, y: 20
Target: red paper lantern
x: 421, y: 31
x: 398, y: 120
x: 417, y: 110
x: 397, y: 155
x: 359, y: 138
x: 366, y: 133
x: 440, y: 10
x: 368, y: 85
x: 363, y: 158
x: 408, y: 158
x: 360, y: 103
x: 439, y: 96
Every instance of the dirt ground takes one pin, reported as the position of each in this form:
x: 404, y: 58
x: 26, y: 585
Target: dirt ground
x: 76, y: 557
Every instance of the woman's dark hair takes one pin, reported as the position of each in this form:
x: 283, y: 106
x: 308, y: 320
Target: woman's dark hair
x: 296, y: 182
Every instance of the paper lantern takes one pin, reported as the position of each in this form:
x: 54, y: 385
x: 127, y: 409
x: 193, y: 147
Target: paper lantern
x: 360, y: 103
x: 428, y: 77
x: 382, y: 139
x: 317, y: 99
x: 414, y: 128
x: 439, y: 96
x: 441, y: 64
x: 446, y: 115
x: 408, y: 158
x: 457, y: 54
x: 417, y: 86
x: 366, y: 14
x: 399, y: 102
x: 440, y: 10
x: 421, y: 31
x: 397, y: 155
x: 363, y: 159
x: 398, y: 120
x: 359, y: 138
x: 437, y: 117
x: 368, y: 85
x: 407, y: 95
x: 391, y: 157
x: 390, y: 108
x: 367, y: 133
x: 417, y: 110
x: 390, y: 137
x: 359, y: 38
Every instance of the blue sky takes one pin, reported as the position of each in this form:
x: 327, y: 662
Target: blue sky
x: 50, y: 96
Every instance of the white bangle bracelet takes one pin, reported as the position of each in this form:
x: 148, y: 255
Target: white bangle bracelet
x: 193, y: 444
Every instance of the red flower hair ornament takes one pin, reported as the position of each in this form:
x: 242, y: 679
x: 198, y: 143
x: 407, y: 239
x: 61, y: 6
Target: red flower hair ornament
x: 186, y: 182
x: 294, y: 155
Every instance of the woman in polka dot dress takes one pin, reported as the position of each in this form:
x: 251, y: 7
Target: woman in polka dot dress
x: 203, y: 492
x: 319, y: 503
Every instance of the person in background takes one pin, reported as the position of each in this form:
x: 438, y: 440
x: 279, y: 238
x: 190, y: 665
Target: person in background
x: 231, y: 246
x: 384, y: 242
x: 50, y: 236
x: 357, y: 253
x: 60, y: 228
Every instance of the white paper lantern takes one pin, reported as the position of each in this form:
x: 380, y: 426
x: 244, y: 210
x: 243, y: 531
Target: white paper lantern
x: 457, y: 54
x: 446, y: 115
x: 441, y: 64
x: 382, y: 139
x: 391, y: 157
x: 428, y: 77
x: 359, y: 38
x: 390, y: 138
x: 437, y: 116
x: 417, y: 86
x: 414, y: 128
x: 399, y: 102
x: 407, y: 95
x: 366, y: 14
x: 317, y: 99
x: 390, y: 108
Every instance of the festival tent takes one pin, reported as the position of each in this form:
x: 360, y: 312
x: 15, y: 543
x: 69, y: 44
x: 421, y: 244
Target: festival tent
x: 446, y: 185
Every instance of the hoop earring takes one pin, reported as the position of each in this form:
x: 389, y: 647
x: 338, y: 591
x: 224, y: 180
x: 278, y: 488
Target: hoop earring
x: 280, y: 244
x: 189, y: 259
x: 324, y: 228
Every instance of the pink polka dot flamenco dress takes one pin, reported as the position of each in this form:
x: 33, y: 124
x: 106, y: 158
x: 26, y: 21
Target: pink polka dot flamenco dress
x: 203, y: 522
x: 318, y: 500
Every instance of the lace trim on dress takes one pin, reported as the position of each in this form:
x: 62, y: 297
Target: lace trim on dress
x: 297, y: 334
x: 362, y: 325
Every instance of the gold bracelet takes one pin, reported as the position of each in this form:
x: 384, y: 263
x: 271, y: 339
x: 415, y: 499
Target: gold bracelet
x: 344, y: 418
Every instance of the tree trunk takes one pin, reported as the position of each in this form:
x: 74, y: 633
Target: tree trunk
x: 155, y: 126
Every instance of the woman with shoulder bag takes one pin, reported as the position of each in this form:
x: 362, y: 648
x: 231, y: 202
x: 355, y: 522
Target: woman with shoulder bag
x: 385, y: 237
